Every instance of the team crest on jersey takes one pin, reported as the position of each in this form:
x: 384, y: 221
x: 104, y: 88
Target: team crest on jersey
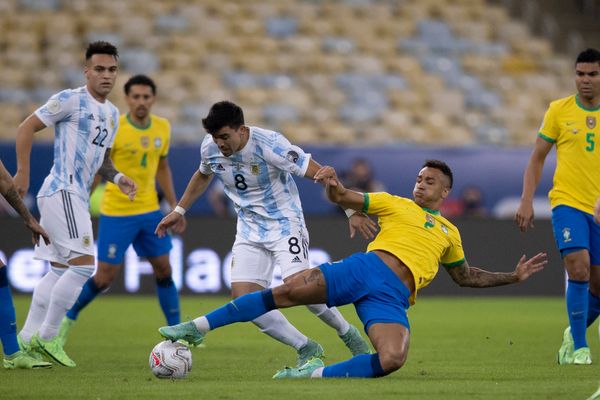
x: 292, y: 156
x: 87, y: 241
x: 444, y: 229
x: 590, y: 121
x: 157, y: 143
x: 255, y: 169
x: 112, y: 123
x: 429, y: 221
x: 145, y: 141
x: 566, y: 235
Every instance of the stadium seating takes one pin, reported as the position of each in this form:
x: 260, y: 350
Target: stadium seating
x: 443, y: 72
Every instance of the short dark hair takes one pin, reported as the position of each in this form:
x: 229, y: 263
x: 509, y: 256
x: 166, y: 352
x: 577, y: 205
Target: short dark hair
x: 442, y: 166
x: 101, y: 47
x: 588, y: 56
x: 221, y: 114
x: 139, y: 80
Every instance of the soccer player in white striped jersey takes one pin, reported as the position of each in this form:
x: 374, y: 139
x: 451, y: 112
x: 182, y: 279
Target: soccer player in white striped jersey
x: 255, y: 166
x: 85, y: 123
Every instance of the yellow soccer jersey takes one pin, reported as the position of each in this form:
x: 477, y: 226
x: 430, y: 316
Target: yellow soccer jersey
x: 136, y: 153
x: 574, y: 129
x: 421, y: 238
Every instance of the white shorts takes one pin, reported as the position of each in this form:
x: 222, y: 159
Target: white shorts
x: 255, y: 262
x: 67, y: 220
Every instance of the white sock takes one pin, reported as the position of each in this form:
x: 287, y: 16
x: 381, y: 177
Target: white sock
x: 331, y: 316
x: 279, y: 328
x: 202, y: 324
x: 317, y: 373
x: 64, y: 294
x: 39, y: 303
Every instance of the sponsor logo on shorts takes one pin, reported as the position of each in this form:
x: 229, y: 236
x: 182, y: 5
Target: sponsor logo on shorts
x: 566, y: 235
x: 296, y: 260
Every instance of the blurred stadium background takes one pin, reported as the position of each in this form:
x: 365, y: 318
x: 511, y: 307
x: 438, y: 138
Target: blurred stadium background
x: 393, y: 82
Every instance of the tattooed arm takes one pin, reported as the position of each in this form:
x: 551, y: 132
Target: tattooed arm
x: 467, y: 276
x: 108, y: 171
x: 9, y: 191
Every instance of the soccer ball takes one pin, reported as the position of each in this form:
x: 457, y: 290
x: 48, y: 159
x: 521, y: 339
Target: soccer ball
x: 170, y: 360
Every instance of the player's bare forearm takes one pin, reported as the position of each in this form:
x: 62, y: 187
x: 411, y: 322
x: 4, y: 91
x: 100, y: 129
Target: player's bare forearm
x: 467, y: 276
x: 13, y: 198
x: 165, y: 182
x: 195, y: 188
x: 533, y: 171
x: 107, y: 170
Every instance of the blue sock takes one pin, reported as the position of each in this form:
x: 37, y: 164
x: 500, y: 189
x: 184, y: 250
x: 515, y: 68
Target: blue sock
x: 362, y: 366
x: 8, y: 320
x: 89, y: 291
x: 244, y: 308
x: 168, y: 299
x: 593, y: 308
x: 577, y: 307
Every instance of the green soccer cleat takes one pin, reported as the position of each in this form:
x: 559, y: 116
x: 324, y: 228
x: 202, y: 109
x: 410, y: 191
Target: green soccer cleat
x: 31, y: 351
x: 22, y: 360
x: 355, y: 342
x: 310, y: 350
x: 305, y: 371
x: 565, y: 353
x: 53, y: 349
x: 185, y: 331
x: 582, y: 356
x: 65, y: 328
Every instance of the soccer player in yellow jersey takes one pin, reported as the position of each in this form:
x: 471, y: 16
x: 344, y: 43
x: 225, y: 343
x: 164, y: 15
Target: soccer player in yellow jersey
x: 381, y: 283
x: 572, y: 124
x: 140, y: 150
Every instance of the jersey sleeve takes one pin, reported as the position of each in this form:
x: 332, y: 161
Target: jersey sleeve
x: 454, y: 255
x: 377, y: 203
x: 58, y: 108
x: 287, y: 157
x: 167, y: 142
x: 204, y: 167
x: 549, y: 130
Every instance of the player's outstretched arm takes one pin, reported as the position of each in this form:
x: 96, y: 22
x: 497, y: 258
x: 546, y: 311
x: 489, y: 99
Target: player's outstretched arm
x: 531, y: 179
x: 195, y: 188
x: 25, y: 133
x: 597, y: 211
x: 164, y: 178
x: 335, y: 190
x: 467, y: 276
x: 9, y: 191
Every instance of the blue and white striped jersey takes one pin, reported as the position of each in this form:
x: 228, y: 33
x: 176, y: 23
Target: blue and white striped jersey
x: 258, y: 179
x: 83, y: 130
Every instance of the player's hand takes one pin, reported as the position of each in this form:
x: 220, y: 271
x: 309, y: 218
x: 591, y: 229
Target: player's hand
x: 524, y: 216
x: 167, y: 223
x: 526, y: 268
x: 128, y: 186
x: 21, y: 181
x: 362, y: 224
x: 37, y: 231
x: 597, y: 211
x: 180, y: 225
x: 327, y: 176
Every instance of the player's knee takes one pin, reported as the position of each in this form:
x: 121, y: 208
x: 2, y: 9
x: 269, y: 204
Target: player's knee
x: 392, y: 360
x: 105, y: 276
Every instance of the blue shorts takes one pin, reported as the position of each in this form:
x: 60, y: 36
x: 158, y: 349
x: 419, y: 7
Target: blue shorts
x: 575, y: 230
x: 376, y: 292
x: 115, y: 234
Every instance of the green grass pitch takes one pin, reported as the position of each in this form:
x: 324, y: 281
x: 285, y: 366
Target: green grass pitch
x: 461, y: 348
